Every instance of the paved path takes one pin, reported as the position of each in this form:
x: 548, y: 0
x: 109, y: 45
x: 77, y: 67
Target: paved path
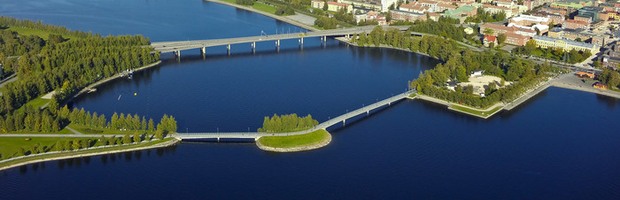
x: 74, y: 131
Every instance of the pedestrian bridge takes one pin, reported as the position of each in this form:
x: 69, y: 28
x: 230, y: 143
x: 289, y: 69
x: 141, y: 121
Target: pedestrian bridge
x: 178, y: 46
x: 255, y: 135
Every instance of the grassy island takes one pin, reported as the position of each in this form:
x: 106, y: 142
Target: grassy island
x: 294, y: 143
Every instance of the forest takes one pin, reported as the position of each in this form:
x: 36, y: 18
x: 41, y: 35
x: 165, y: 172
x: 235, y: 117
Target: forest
x: 65, y: 66
x: 457, y: 64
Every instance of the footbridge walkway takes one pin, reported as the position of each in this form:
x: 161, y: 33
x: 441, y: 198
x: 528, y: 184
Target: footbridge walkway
x: 255, y: 135
x: 178, y: 46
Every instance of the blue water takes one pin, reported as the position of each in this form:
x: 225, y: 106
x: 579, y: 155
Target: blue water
x: 560, y: 145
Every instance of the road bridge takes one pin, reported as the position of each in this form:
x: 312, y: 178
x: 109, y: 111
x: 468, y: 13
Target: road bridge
x: 331, y: 122
x: 178, y: 46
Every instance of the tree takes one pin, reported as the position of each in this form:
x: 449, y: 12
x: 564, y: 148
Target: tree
x: 488, y: 31
x: 501, y: 38
x: 159, y: 134
x: 136, y: 137
x: 461, y: 74
x: 126, y: 139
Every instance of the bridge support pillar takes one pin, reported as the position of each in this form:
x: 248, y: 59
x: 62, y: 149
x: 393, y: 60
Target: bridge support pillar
x: 344, y: 122
x: 203, y: 52
x: 278, y: 43
x: 253, y: 47
x: 228, y: 49
x: 218, y: 139
x: 301, y: 41
x: 368, y: 112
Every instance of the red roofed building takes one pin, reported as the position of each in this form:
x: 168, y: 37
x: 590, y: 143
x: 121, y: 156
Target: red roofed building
x: 575, y: 24
x: 489, y: 39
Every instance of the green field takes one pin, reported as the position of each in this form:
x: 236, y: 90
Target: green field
x: 475, y: 112
x: 38, y: 102
x: 70, y: 153
x: 264, y: 7
x: 41, y: 33
x: 308, y: 139
x: 11, y: 146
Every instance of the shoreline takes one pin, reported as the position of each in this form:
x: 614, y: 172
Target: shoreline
x: 172, y: 142
x: 318, y: 145
x: 346, y: 41
x: 274, y: 16
x: 109, y: 79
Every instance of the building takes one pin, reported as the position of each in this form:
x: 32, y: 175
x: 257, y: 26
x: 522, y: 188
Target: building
x: 461, y: 13
x: 581, y: 74
x: 528, y: 20
x: 574, y: 24
x: 589, y: 12
x: 505, y: 3
x: 557, y: 11
x: 501, y: 29
x: 516, y: 39
x: 378, y: 5
x: 599, y: 85
x: 414, y: 8
x: 399, y: 15
x: 476, y: 73
x: 335, y: 7
x: 564, y: 44
x: 497, y: 9
x: 317, y: 4
x: 488, y: 40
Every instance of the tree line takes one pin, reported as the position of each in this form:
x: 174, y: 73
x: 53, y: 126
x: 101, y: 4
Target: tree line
x: 64, y: 66
x: 457, y: 64
x: 610, y: 78
x: 287, y: 123
x: 444, y: 27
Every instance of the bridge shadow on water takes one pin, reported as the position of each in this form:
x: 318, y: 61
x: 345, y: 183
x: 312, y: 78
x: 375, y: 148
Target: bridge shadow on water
x: 222, y: 140
x: 189, y: 57
x: 73, y: 163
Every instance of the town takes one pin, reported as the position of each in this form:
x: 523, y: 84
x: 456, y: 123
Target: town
x: 583, y: 26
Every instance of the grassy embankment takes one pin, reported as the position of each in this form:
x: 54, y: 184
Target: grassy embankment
x: 73, y: 153
x: 475, y: 112
x: 295, y: 141
x: 258, y: 6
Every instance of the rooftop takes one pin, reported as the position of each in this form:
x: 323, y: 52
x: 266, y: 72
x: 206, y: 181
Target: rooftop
x: 570, y: 42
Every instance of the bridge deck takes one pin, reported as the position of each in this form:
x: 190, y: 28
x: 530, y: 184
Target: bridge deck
x: 324, y: 125
x: 173, y: 46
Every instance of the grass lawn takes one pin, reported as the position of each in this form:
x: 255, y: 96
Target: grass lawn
x: 412, y: 95
x: 295, y: 140
x: 143, y: 144
x: 475, y: 111
x: 10, y: 146
x: 41, y: 33
x: 264, y: 7
x: 38, y: 102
